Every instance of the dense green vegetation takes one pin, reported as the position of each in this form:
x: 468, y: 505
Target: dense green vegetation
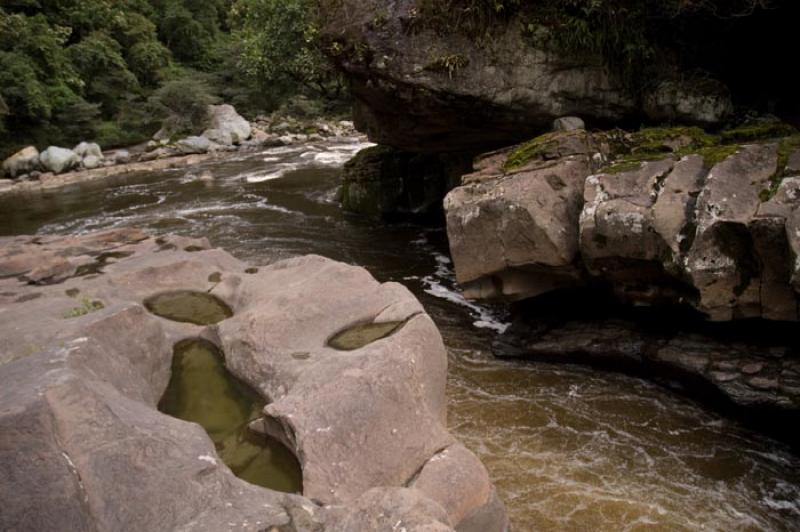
x: 111, y: 70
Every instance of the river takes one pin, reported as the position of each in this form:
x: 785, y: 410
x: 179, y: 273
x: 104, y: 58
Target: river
x: 569, y: 448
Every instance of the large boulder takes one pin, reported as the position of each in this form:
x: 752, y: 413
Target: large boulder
x: 352, y: 370
x: 714, y: 227
x: 59, y: 160
x: 192, y: 145
x: 226, y: 126
x: 86, y: 149
x: 22, y: 162
x: 513, y: 225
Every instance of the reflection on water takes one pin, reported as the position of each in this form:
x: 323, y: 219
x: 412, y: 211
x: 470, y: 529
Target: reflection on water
x: 569, y: 448
x: 201, y: 390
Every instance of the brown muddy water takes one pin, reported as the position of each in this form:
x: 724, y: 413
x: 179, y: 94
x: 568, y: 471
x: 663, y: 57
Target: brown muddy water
x: 569, y: 448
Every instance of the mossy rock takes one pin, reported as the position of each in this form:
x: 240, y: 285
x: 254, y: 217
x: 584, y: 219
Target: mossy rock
x: 546, y: 147
x: 759, y: 131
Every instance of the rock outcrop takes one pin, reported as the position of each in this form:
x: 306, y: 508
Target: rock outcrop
x: 382, y: 181
x: 675, y: 220
x: 755, y: 370
x: 83, y: 364
x: 431, y: 89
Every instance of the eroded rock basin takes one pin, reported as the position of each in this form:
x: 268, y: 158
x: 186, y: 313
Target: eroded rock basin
x: 201, y: 390
x: 188, y: 306
x: 363, y: 334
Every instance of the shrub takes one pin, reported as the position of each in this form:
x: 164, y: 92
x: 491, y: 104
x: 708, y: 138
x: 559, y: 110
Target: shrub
x: 184, y: 103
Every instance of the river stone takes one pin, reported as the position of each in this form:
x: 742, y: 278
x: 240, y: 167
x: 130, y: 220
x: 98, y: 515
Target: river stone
x: 22, y: 162
x: 91, y: 161
x: 568, y: 123
x: 121, y: 157
x: 58, y: 160
x: 84, y: 365
x: 219, y: 136
x: 86, y: 149
x: 190, y: 145
x: 224, y: 122
x: 450, y: 478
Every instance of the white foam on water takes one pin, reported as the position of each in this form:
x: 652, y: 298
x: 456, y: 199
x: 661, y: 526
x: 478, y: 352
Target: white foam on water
x: 282, y: 150
x: 442, y: 284
x: 282, y: 170
x: 332, y: 158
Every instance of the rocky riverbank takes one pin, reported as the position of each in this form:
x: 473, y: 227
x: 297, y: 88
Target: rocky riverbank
x: 228, y: 132
x: 87, y: 353
x: 661, y: 217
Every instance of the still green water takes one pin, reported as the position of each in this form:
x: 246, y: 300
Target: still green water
x: 186, y: 306
x: 201, y: 390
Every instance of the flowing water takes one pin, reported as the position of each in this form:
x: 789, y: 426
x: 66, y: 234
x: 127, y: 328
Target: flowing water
x: 569, y: 448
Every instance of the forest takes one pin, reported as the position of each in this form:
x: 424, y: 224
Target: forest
x: 110, y: 70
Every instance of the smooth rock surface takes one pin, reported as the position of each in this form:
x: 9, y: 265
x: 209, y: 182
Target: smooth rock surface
x: 225, y: 124
x: 58, y: 160
x: 83, y: 365
x: 85, y: 149
x: 193, y: 145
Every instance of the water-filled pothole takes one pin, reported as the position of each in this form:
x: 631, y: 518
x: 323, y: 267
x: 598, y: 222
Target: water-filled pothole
x: 188, y: 306
x: 202, y: 390
x: 358, y: 336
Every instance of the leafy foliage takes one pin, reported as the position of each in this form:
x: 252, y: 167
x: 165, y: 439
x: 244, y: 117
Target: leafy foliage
x: 280, y: 47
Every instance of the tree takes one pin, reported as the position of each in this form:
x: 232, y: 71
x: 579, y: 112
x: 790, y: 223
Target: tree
x: 280, y: 46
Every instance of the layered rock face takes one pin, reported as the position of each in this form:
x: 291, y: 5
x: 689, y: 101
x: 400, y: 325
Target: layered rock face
x: 385, y: 182
x: 420, y: 90
x: 715, y: 229
x: 84, y: 363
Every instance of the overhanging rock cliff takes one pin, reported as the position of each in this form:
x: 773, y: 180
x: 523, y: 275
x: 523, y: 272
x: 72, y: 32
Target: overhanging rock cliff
x: 420, y: 89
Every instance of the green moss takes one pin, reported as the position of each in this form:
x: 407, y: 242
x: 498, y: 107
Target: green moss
x: 527, y: 152
x: 758, y: 131
x: 714, y: 155
x: 786, y: 147
x: 87, y: 307
x: 629, y: 151
x: 629, y: 164
x: 661, y: 139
